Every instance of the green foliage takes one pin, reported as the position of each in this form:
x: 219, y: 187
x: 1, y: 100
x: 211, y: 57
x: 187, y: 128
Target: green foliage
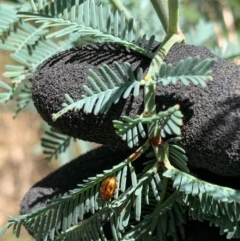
x: 169, y: 122
x: 5, y: 96
x: 189, y: 70
x: 54, y: 143
x: 105, y: 90
x: 8, y: 19
x: 219, y: 205
x: 177, y: 157
x: 29, y: 48
x: 231, y: 51
x: 165, y: 220
x: 201, y: 33
x: 158, y: 200
x: 66, y: 211
x: 24, y: 96
x: 95, y: 21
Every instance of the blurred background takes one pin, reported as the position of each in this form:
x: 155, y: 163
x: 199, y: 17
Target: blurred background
x: 214, y: 24
x: 20, y: 165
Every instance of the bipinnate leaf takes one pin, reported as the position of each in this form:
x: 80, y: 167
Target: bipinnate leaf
x: 169, y: 122
x: 54, y: 143
x: 130, y: 130
x: 178, y: 158
x: 104, y: 89
x: 207, y: 201
x: 65, y: 212
x: 92, y: 20
x: 189, y: 70
x: 28, y: 46
x: 5, y: 96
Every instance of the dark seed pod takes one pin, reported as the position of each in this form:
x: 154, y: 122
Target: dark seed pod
x: 211, y: 133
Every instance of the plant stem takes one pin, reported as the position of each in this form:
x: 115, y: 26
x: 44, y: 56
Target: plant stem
x: 139, y: 152
x: 162, y: 51
x: 161, y: 8
x: 173, y: 17
x: 149, y: 100
x: 165, y: 154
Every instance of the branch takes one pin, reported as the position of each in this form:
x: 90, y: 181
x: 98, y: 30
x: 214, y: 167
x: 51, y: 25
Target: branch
x: 173, y: 17
x: 161, y: 9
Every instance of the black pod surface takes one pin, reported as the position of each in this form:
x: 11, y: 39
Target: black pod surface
x: 211, y: 131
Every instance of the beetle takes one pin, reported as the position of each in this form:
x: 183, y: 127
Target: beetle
x: 108, y: 188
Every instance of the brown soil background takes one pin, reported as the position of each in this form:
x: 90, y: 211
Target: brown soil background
x: 21, y: 165
x: 21, y: 160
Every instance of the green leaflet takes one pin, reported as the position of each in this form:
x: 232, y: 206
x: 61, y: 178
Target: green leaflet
x: 5, y: 96
x: 178, y: 158
x: 220, y: 205
x: 166, y: 218
x: 24, y: 96
x: 29, y: 48
x: 104, y: 91
x: 93, y: 20
x: 223, y: 194
x: 54, y: 143
x: 67, y: 209
x: 186, y: 71
x: 169, y: 122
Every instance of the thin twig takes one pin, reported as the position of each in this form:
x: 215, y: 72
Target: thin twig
x: 161, y: 8
x: 173, y: 17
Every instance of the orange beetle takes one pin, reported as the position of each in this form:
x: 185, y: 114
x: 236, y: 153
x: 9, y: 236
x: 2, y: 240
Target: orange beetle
x: 108, y: 187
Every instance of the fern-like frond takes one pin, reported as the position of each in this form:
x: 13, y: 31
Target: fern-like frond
x: 188, y: 70
x: 7, y: 17
x: 24, y: 97
x: 17, y: 35
x: 43, y: 50
x: 178, y: 158
x: 7, y: 94
x: 192, y: 185
x: 166, y: 218
x: 133, y: 198
x: 176, y: 155
x: 169, y: 122
x: 202, y: 32
x: 170, y: 221
x: 65, y: 213
x: 104, y: 91
x: 220, y: 205
x: 90, y: 229
x: 231, y: 50
x: 129, y: 129
x: 54, y: 143
x: 93, y: 20
x: 25, y: 37
x: 68, y: 210
x: 29, y: 48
